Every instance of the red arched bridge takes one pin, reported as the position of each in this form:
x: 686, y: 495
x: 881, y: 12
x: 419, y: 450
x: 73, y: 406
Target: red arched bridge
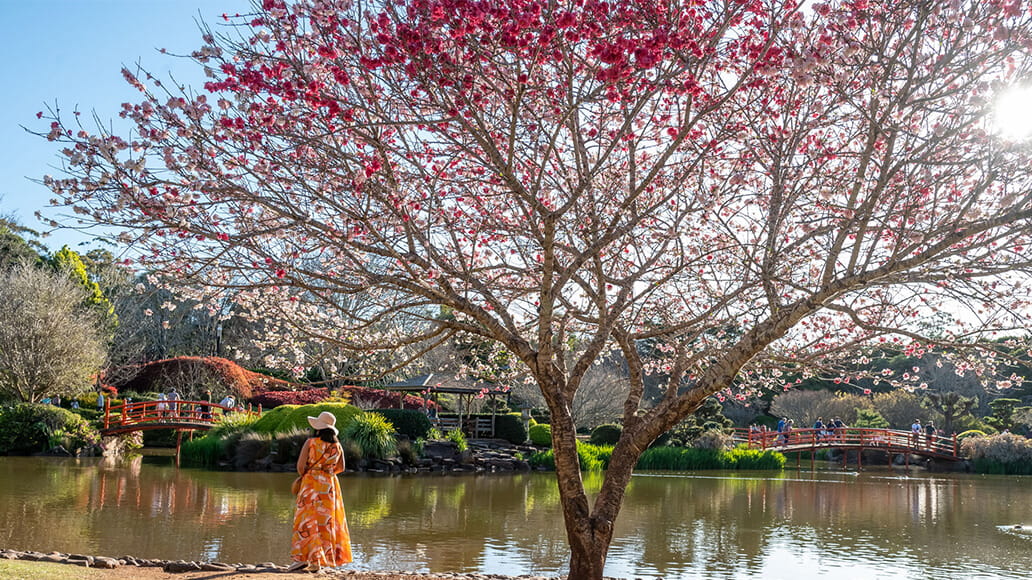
x: 892, y: 442
x: 172, y: 414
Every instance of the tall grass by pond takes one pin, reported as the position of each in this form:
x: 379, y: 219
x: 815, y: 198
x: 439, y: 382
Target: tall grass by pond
x: 596, y: 458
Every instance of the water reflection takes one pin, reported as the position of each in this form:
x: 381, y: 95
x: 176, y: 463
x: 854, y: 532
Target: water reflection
x: 707, y: 526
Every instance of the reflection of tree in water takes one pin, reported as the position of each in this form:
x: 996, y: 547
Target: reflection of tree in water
x: 725, y: 526
x: 711, y: 525
x: 675, y: 523
x: 447, y: 523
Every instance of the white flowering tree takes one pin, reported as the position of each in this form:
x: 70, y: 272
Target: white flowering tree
x: 751, y: 188
x: 51, y: 341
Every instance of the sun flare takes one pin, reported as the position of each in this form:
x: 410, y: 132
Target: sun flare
x: 1013, y: 115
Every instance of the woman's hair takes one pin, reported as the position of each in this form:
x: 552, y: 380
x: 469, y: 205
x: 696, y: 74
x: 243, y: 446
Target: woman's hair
x: 326, y: 435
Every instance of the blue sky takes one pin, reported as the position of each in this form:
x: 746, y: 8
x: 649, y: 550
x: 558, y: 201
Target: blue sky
x: 70, y: 52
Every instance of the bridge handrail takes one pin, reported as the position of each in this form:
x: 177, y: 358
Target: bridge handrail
x: 170, y: 411
x: 867, y: 438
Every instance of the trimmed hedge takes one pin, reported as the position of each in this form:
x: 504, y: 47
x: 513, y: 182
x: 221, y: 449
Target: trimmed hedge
x: 541, y: 435
x: 289, y: 417
x: 271, y: 419
x: 298, y: 418
x: 511, y: 428
x: 409, y: 422
x: 607, y: 434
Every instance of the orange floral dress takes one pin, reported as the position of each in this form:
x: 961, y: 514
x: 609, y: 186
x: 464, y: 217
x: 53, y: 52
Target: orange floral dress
x: 321, y: 536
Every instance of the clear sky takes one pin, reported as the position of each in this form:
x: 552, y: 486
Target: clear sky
x: 70, y: 52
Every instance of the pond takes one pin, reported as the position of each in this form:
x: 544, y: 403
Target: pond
x: 706, y: 525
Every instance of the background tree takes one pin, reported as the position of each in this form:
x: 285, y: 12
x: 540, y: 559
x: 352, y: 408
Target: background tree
x: 708, y: 416
x: 870, y: 419
x: 69, y: 263
x: 1003, y: 413
x: 14, y: 249
x: 607, y: 174
x: 951, y: 406
x: 598, y: 401
x: 900, y: 408
x: 50, y: 344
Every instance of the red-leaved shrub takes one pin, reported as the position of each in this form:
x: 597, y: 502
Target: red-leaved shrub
x: 359, y: 396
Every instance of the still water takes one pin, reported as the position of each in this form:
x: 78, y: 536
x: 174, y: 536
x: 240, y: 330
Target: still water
x: 707, y: 526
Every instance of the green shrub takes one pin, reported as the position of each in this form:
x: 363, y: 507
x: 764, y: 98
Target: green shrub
x: 373, y: 434
x: 271, y: 419
x: 92, y: 415
x: 591, y: 457
x: 690, y: 459
x: 543, y: 459
x: 511, y: 428
x: 285, y: 418
x: 202, y: 452
x: 457, y: 437
x: 679, y: 459
x: 606, y: 434
x: 234, y: 422
x: 408, y: 452
x: 541, y: 435
x: 742, y: 457
x: 29, y: 428
x: 409, y: 422
x: 286, y: 447
x: 298, y: 418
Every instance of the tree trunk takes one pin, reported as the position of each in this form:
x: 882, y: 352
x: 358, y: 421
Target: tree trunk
x: 589, y: 534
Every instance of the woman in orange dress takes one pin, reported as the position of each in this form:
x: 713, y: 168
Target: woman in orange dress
x: 321, y: 538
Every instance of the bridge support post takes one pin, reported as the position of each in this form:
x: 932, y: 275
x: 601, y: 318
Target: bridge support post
x: 179, y: 445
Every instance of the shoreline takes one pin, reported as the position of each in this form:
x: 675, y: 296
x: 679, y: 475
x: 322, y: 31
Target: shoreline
x: 129, y: 567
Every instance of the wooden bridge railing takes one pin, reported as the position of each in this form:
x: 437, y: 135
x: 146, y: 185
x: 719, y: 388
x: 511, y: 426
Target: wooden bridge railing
x: 155, y: 414
x: 855, y: 438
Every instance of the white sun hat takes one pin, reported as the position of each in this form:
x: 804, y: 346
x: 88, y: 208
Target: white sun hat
x: 325, y: 420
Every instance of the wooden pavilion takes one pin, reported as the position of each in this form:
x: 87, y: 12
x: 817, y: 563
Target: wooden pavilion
x: 430, y: 386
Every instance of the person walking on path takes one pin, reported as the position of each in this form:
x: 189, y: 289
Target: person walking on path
x: 321, y: 538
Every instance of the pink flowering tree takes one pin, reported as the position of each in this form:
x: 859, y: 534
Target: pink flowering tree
x: 750, y: 188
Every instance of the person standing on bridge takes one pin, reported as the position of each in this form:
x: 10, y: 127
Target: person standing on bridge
x: 818, y: 429
x: 915, y: 428
x: 229, y: 403
x: 930, y: 435
x: 321, y: 538
x: 173, y: 403
x: 162, y: 408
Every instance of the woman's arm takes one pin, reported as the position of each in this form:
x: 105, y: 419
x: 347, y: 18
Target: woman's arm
x: 302, y: 459
x: 339, y: 468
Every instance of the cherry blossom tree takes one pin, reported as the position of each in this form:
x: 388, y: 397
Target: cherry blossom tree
x: 753, y: 186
